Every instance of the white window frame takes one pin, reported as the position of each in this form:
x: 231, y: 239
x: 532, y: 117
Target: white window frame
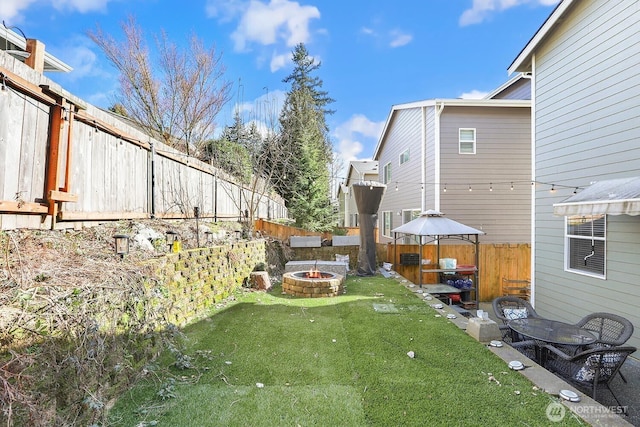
x: 465, y: 141
x: 599, y: 242
x: 386, y: 173
x: 412, y: 214
x: 387, y: 223
x: 404, y: 157
x: 354, y: 220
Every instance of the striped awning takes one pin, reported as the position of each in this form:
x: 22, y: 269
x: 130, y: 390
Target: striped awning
x: 610, y: 197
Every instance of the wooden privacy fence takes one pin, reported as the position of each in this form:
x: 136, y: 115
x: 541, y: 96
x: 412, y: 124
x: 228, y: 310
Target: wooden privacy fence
x: 284, y: 232
x: 497, y: 262
x: 64, y: 160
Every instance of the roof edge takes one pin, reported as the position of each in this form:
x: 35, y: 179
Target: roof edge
x: 457, y: 102
x: 541, y: 34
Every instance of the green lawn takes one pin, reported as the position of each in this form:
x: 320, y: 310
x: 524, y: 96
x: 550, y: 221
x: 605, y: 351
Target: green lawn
x: 269, y: 359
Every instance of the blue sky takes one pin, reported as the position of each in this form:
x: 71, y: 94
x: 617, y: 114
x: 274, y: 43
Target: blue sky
x: 374, y: 53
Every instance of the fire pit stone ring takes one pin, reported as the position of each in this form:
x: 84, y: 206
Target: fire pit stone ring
x: 312, y: 284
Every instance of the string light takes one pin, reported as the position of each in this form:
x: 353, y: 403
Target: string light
x: 511, y: 186
x: 396, y: 185
x: 490, y: 187
x: 575, y: 191
x: 553, y: 188
x: 445, y: 188
x: 470, y: 188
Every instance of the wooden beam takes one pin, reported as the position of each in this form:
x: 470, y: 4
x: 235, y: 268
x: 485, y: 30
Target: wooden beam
x: 107, y: 128
x: 53, y: 155
x: 61, y: 196
x: 23, y: 207
x: 97, y: 216
x: 21, y: 85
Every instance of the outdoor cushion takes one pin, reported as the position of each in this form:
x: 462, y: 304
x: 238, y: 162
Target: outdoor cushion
x: 515, y: 313
x: 588, y: 370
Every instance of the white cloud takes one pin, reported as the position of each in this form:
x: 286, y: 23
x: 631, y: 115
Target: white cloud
x: 225, y: 10
x: 278, y: 21
x: 392, y: 38
x: 474, y: 94
x: 352, y: 136
x: 82, y: 6
x: 482, y: 9
x: 366, y: 30
x: 279, y: 61
x: 264, y: 111
x: 10, y: 10
x: 399, y: 38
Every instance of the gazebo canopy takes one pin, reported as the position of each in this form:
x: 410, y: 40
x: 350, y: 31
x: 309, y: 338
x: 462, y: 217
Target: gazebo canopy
x: 433, y: 223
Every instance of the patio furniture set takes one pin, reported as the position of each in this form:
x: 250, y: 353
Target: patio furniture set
x: 587, y: 354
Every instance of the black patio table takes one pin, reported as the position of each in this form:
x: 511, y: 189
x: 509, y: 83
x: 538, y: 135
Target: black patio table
x: 547, y: 331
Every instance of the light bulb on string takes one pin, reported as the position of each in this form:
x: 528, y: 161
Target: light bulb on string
x: 490, y: 187
x: 470, y: 188
x: 512, y: 186
x: 444, y: 190
x: 553, y: 188
x: 396, y: 186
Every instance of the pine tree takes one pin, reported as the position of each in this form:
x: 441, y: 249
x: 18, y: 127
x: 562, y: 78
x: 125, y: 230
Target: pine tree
x: 304, y: 134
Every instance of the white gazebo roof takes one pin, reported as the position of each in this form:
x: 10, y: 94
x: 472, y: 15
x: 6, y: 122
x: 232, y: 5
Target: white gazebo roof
x: 433, y: 223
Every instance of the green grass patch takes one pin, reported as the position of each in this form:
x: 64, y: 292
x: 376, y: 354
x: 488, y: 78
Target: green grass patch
x: 274, y: 360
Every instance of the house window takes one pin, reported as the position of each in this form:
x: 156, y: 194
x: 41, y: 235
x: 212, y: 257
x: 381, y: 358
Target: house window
x: 404, y: 157
x: 467, y: 141
x: 585, y: 245
x: 386, y: 173
x: 410, y: 215
x: 387, y: 222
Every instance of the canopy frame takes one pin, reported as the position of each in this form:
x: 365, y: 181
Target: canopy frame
x: 469, y: 234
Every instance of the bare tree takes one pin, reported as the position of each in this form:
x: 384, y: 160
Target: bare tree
x: 177, y: 105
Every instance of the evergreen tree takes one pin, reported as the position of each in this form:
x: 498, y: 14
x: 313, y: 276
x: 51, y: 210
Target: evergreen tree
x: 303, y: 177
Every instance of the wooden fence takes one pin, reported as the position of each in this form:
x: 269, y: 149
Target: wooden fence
x: 284, y: 232
x: 64, y: 162
x: 496, y: 262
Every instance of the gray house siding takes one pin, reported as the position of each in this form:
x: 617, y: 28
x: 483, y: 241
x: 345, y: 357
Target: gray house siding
x: 587, y: 86
x: 503, y: 157
x: 405, y: 133
x: 519, y: 90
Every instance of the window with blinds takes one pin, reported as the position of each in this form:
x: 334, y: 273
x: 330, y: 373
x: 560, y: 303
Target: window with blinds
x: 467, y: 141
x: 585, y: 245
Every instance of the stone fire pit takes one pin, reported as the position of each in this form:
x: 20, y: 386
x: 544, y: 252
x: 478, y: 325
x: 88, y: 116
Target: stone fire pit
x: 312, y: 284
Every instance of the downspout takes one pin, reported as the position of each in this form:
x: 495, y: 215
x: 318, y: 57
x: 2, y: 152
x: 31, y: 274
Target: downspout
x: 531, y: 76
x: 423, y: 201
x: 436, y: 155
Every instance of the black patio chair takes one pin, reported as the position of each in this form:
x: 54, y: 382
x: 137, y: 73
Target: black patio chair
x: 589, y: 369
x: 610, y: 330
x: 507, y: 308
